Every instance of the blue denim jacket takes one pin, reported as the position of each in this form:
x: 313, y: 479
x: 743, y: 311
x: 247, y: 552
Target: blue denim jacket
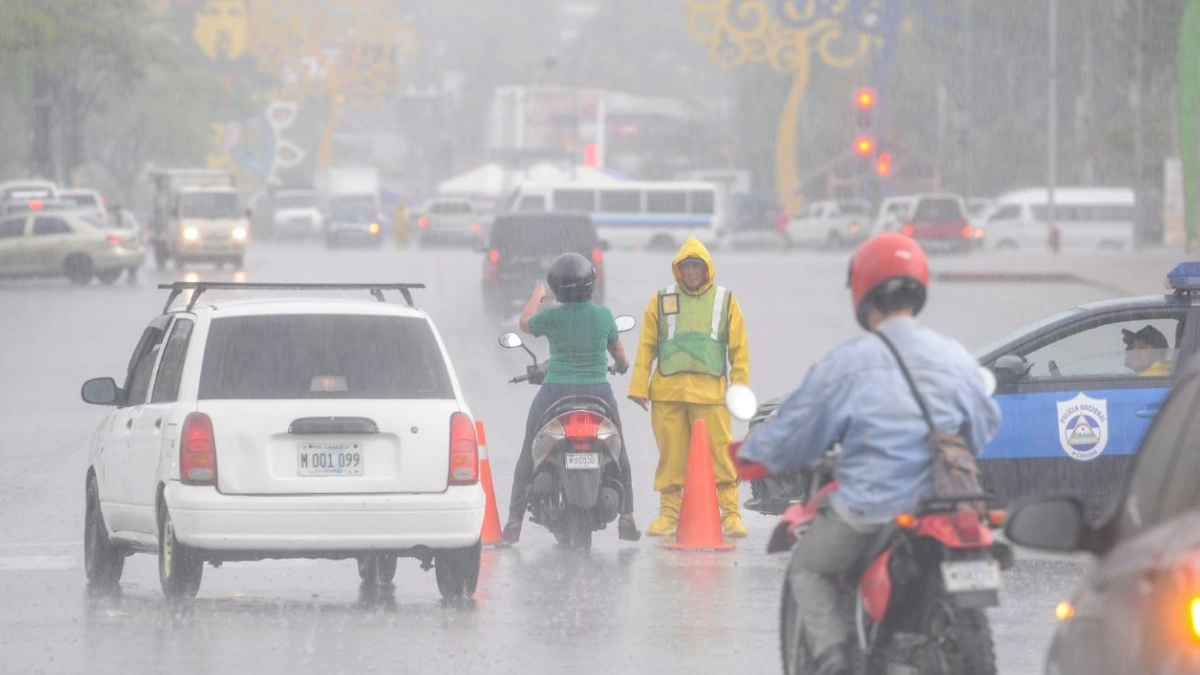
x: 858, y: 394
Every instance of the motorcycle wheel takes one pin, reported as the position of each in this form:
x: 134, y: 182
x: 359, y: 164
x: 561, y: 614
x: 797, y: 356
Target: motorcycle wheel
x: 963, y: 639
x: 792, y: 645
x: 579, y: 529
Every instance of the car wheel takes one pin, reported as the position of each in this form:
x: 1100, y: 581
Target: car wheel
x: 833, y: 242
x: 457, y: 571
x: 79, y: 269
x: 109, y: 277
x: 377, y: 568
x: 180, y: 569
x: 103, y: 561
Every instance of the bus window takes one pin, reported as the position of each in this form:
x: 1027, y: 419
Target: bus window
x: 621, y: 201
x: 666, y: 202
x: 578, y: 201
x: 702, y: 201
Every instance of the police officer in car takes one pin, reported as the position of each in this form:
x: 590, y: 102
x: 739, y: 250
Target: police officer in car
x: 1146, y: 352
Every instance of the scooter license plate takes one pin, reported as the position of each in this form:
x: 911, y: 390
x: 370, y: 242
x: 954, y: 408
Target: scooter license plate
x: 583, y: 460
x: 971, y: 575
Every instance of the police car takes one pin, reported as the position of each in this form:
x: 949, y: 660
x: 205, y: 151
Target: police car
x: 1077, y: 390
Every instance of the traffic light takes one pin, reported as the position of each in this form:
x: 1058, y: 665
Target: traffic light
x: 864, y: 103
x: 864, y: 146
x: 883, y: 164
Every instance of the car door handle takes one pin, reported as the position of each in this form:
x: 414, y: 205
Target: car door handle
x: 1147, y: 412
x: 129, y: 423
x: 158, y: 424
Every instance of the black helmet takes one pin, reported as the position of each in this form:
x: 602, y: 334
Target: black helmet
x: 572, y: 278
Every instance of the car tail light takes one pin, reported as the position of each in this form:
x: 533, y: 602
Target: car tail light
x: 909, y: 230
x: 494, y: 266
x: 36, y: 205
x: 967, y: 231
x: 423, y: 222
x: 114, y: 239
x: 198, y: 451
x: 476, y: 227
x: 598, y: 263
x: 906, y: 521
x: 781, y: 221
x: 581, y: 425
x: 464, y: 451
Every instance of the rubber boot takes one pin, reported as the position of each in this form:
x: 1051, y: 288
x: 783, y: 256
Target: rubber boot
x: 668, y: 513
x: 731, y: 515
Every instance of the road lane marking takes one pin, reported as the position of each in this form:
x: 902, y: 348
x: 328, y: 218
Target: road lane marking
x: 29, y: 563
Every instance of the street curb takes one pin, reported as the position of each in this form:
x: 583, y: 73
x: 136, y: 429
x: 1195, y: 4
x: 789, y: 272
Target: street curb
x: 1027, y: 277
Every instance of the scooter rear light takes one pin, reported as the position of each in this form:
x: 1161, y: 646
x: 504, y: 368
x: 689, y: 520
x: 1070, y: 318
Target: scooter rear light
x: 581, y: 425
x: 966, y: 524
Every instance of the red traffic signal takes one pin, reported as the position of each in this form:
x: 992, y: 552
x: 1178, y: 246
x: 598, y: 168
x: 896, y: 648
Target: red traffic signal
x: 591, y: 155
x: 883, y: 165
x: 864, y: 146
x: 865, y: 98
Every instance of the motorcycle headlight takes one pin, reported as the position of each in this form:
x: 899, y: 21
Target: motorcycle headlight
x: 1194, y: 615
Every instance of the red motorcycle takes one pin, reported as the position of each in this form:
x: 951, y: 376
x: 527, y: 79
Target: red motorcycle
x: 917, y: 599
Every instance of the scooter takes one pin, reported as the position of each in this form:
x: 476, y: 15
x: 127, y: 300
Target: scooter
x: 576, y: 486
x: 917, y: 598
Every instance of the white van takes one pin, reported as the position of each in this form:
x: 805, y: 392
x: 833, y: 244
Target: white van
x: 1086, y: 219
x: 659, y: 214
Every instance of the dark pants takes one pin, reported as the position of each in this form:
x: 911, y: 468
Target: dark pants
x: 546, y: 397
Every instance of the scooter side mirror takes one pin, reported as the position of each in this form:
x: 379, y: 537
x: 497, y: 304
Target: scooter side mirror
x: 741, y: 402
x: 625, y: 323
x: 511, y: 341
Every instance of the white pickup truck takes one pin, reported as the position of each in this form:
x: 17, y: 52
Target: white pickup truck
x: 830, y: 224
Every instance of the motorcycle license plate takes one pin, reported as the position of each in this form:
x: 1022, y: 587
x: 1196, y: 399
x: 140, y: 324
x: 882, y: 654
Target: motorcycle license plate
x: 971, y: 575
x: 583, y: 460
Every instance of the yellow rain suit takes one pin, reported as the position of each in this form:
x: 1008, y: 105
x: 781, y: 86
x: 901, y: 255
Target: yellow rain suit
x: 678, y: 400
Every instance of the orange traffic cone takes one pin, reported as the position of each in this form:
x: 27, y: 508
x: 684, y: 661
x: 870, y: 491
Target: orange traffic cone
x: 699, y: 519
x: 491, y: 534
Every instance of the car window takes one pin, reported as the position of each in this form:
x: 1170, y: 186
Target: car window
x: 12, y: 227
x: 666, y: 202
x: 1009, y: 212
x: 939, y: 210
x: 48, y: 225
x: 703, y: 201
x: 578, y: 201
x: 1098, y: 349
x: 621, y: 201
x: 142, y: 366
x: 543, y: 235
x: 1174, y: 431
x: 307, y: 356
x: 170, y: 369
x: 852, y: 208
x: 532, y: 203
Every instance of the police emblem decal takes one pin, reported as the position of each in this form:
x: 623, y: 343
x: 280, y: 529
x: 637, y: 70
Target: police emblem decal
x: 1083, y: 427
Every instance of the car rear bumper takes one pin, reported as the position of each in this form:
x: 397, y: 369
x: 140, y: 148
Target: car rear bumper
x: 206, y: 519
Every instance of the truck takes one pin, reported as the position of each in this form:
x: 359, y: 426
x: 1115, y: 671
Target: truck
x: 450, y: 220
x: 831, y: 224
x: 197, y: 217
x: 353, y: 212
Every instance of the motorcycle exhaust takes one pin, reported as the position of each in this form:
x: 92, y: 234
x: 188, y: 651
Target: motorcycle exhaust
x: 609, y: 505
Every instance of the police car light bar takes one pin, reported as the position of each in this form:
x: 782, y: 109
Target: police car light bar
x: 1185, y: 277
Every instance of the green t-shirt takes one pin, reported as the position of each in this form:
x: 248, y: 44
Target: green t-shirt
x: 579, y: 334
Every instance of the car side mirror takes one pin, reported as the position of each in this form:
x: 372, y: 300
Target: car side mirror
x: 625, y: 323
x: 741, y: 402
x: 1049, y: 523
x: 101, y: 391
x: 1010, y: 369
x: 511, y: 341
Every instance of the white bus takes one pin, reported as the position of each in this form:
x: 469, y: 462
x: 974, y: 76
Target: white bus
x: 1086, y: 218
x: 631, y: 214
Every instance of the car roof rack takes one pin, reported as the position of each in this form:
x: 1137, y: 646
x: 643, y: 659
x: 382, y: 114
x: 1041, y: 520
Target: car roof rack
x: 199, y: 287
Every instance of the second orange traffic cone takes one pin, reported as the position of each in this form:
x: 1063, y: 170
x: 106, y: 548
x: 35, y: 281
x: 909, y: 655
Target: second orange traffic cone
x: 699, y: 519
x: 491, y: 534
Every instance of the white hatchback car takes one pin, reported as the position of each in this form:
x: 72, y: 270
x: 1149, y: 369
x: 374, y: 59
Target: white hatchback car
x: 255, y: 428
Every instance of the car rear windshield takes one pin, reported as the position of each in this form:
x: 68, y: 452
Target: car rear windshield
x: 543, y: 235
x: 323, y: 356
x: 939, y: 210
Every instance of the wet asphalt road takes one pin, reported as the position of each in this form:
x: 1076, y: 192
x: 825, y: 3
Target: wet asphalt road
x: 622, y: 608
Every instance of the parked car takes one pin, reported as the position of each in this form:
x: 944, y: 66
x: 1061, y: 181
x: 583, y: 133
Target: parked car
x: 67, y: 243
x: 311, y: 427
x: 520, y: 249
x: 831, y: 224
x: 1137, y: 609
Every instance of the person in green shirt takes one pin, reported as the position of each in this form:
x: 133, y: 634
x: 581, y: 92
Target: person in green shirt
x: 582, y: 334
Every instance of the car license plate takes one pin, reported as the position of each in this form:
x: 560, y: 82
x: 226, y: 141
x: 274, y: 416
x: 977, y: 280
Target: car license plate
x: 971, y: 575
x: 583, y: 460
x: 330, y: 459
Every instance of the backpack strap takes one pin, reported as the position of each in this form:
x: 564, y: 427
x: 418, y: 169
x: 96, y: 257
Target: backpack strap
x: 911, y: 383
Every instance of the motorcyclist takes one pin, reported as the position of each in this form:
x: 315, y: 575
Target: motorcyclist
x: 858, y: 394
x: 581, y: 335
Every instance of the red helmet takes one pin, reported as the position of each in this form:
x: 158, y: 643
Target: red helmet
x: 885, y: 257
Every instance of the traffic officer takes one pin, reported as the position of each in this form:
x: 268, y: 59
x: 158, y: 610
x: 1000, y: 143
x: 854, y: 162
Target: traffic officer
x: 693, y: 329
x: 400, y: 225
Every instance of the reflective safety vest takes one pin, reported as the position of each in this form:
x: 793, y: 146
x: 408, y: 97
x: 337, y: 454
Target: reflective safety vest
x: 693, y: 331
